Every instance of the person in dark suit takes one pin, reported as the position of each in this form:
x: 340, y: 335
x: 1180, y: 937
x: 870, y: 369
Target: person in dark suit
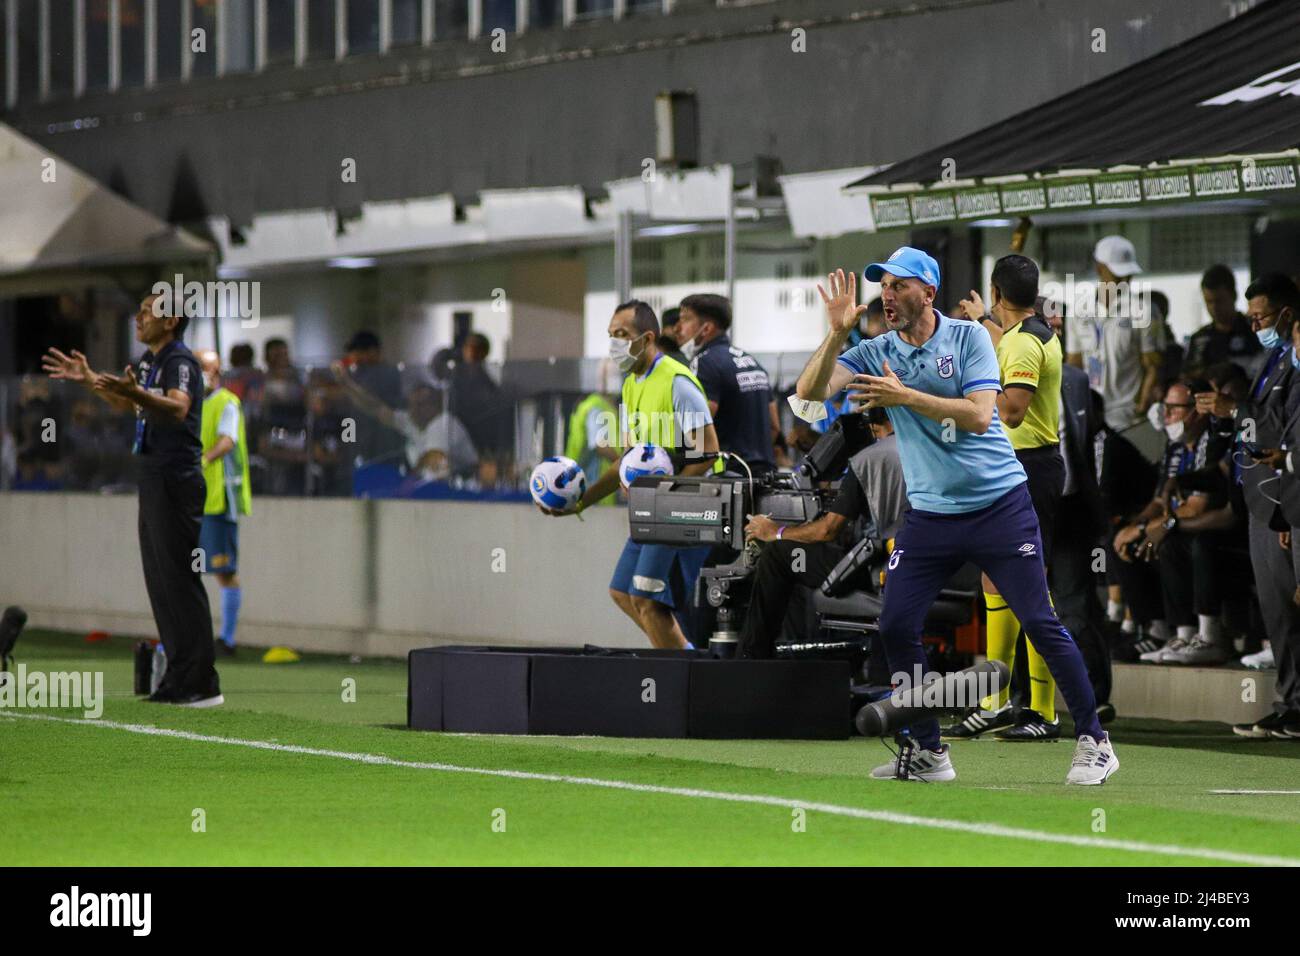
x: 1080, y: 524
x: 1259, y: 422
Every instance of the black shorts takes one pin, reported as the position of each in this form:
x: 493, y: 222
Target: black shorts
x: 1045, y: 469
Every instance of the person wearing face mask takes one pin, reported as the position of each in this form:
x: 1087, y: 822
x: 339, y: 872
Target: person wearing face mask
x: 1167, y: 551
x: 663, y: 404
x: 1261, y: 422
x: 736, y: 386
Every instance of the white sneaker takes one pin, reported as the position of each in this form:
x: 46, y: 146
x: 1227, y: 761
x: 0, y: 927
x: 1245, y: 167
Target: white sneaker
x: 1093, y: 762
x: 216, y: 701
x: 1199, y: 650
x: 1263, y: 660
x: 1162, y: 656
x: 917, y: 763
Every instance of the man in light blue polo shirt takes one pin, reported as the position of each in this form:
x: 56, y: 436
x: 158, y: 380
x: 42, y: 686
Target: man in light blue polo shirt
x: 938, y: 380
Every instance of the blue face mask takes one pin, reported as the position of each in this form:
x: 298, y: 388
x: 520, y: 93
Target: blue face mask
x: 1295, y: 360
x: 1269, y: 338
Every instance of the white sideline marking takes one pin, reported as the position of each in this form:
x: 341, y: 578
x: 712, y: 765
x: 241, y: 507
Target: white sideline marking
x: 859, y: 813
x: 1253, y: 792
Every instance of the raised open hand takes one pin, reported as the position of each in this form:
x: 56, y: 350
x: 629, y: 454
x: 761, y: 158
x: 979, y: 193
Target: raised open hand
x: 842, y: 302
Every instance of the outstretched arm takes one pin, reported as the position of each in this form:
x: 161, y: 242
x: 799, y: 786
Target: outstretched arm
x: 75, y: 368
x: 369, y: 404
x: 823, y: 376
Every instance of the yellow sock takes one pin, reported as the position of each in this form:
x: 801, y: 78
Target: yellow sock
x: 1042, y: 688
x: 1003, y: 629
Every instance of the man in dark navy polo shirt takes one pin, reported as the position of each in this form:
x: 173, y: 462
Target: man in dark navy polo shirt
x: 737, y: 387
x: 165, y: 390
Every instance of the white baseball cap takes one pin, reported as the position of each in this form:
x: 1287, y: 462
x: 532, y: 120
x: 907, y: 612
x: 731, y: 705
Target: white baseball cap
x: 1118, y: 255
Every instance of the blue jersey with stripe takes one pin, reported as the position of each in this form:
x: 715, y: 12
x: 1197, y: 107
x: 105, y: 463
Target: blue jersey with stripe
x: 947, y: 470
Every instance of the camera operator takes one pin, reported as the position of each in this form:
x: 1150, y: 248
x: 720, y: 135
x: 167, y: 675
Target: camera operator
x: 807, y: 553
x: 1187, y: 577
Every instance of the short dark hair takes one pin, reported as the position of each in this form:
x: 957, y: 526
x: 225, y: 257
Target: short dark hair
x: 1224, y: 373
x: 241, y: 355
x: 271, y: 344
x: 709, y: 306
x: 670, y: 317
x: 1219, y: 276
x: 481, y: 340
x: 1016, y: 278
x: 1279, y: 289
x: 643, y: 316
x: 1194, y: 385
x: 363, y: 341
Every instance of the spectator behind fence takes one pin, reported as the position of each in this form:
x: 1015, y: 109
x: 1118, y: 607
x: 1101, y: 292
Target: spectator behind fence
x: 1228, y: 336
x: 477, y: 401
x: 331, y: 457
x: 1153, y: 592
x: 376, y: 440
x: 1114, y: 339
x: 281, y: 423
x: 437, y: 446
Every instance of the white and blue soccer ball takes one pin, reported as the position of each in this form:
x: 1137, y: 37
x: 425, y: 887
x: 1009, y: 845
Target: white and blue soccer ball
x: 642, y: 461
x: 558, y: 483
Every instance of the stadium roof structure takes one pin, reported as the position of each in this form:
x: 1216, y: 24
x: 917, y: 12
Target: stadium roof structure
x: 57, y: 222
x: 1215, y: 118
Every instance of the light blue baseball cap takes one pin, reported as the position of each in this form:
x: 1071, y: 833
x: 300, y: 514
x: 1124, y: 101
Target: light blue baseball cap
x: 906, y: 263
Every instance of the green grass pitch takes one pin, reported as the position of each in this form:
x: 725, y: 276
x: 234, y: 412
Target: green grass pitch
x: 74, y: 793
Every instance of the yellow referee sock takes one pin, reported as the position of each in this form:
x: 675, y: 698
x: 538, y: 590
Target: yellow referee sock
x: 1003, y: 629
x: 1042, y: 688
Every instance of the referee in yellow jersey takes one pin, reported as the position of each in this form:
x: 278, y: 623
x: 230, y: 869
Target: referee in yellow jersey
x: 1029, y: 358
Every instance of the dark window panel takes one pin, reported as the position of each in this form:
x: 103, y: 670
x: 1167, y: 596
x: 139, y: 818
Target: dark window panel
x: 451, y: 19
x: 408, y: 22
x: 363, y: 26
x: 544, y: 14
x: 279, y: 31
x: 591, y: 9
x: 98, y: 15
x: 320, y: 29
x: 203, y: 16
x: 169, y: 42
x: 133, y: 52
x: 498, y: 14
x: 241, y: 37
x: 62, y: 52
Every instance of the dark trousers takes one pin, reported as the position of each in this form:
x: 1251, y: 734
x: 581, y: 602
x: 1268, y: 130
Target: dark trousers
x: 1196, y: 571
x: 782, y: 566
x: 1004, y: 542
x: 1074, y: 591
x: 171, y: 511
x: 1139, y: 583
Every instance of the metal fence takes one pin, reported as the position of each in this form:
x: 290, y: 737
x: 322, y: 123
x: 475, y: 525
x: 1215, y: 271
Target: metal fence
x: 307, y: 437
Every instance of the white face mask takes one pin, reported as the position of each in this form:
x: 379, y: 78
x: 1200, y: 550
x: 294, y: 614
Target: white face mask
x: 620, y: 352
x: 690, y: 349
x: 1156, y: 416
x: 1175, y: 431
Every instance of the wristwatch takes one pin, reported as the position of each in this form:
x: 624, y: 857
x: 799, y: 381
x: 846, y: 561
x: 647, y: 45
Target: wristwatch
x: 1171, y: 523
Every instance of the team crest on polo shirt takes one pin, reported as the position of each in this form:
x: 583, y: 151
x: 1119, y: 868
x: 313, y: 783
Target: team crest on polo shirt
x: 945, y: 366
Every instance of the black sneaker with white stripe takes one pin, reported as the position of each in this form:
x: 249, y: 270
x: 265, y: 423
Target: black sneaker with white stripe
x: 1030, y: 726
x: 977, y: 722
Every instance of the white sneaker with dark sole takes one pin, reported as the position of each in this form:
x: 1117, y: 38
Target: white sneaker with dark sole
x: 1093, y: 762
x: 917, y: 763
x: 1260, y: 661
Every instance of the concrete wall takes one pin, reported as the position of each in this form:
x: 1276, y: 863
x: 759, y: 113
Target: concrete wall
x: 347, y: 576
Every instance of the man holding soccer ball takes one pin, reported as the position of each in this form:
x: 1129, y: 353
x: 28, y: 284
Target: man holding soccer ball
x: 663, y: 405
x: 938, y: 380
